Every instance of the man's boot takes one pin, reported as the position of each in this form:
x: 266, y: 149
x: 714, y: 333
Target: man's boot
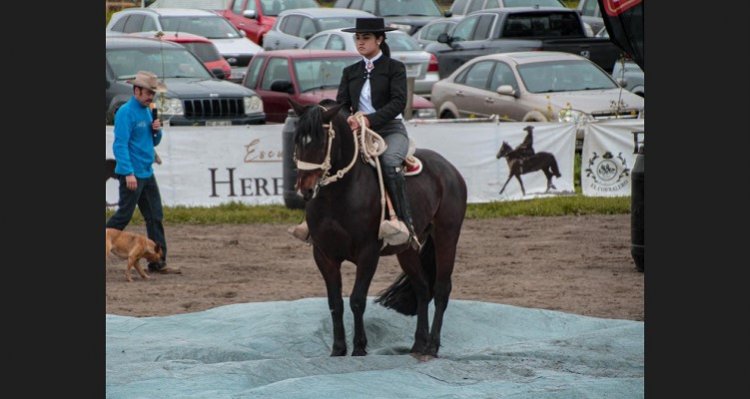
x: 396, y: 185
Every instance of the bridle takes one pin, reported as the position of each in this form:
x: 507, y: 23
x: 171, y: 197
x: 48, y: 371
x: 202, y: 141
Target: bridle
x: 325, y: 166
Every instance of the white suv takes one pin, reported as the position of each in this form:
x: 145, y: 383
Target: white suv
x: 231, y: 43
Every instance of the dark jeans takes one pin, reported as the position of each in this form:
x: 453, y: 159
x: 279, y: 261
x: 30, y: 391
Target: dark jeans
x: 148, y: 199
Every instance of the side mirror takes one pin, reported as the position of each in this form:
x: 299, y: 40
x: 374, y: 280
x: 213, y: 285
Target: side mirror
x: 249, y: 14
x: 622, y: 82
x: 242, y: 33
x: 507, y: 90
x: 219, y: 73
x: 444, y: 38
x: 282, y: 86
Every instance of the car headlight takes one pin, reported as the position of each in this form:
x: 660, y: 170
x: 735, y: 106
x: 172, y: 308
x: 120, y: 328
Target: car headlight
x: 170, y: 107
x: 426, y: 113
x: 401, y: 27
x: 253, y: 105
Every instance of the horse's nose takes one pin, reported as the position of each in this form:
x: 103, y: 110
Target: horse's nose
x: 307, y: 194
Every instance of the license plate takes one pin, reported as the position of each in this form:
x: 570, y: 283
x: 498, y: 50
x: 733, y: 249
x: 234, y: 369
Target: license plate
x: 218, y: 123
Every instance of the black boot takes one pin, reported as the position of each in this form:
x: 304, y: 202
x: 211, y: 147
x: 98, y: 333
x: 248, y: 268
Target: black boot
x: 396, y: 184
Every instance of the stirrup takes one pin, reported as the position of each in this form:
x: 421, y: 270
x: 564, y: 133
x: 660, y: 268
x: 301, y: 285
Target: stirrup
x: 393, y: 232
x: 300, y: 232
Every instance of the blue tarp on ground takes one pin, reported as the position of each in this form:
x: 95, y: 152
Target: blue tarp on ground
x: 281, y: 350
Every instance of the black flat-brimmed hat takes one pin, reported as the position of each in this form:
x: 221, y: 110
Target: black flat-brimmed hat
x: 368, y: 25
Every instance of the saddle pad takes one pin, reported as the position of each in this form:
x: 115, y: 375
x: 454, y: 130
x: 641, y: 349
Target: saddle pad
x: 413, y: 166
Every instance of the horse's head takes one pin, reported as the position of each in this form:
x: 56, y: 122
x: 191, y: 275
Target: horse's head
x: 504, y: 150
x: 312, y: 144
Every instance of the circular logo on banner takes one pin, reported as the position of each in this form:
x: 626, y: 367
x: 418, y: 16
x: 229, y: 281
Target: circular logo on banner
x: 607, y: 171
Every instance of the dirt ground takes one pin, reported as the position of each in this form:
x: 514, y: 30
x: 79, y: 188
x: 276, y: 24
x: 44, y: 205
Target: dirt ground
x: 575, y: 264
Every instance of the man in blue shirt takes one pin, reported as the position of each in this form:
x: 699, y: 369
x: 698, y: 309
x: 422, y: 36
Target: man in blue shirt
x: 136, y: 134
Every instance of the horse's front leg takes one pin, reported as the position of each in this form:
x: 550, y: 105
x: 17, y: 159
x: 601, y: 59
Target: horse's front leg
x: 367, y: 262
x: 331, y: 271
x: 523, y: 190
x: 506, y: 183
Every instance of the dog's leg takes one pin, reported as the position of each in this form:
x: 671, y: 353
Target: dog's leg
x: 127, y: 270
x: 140, y: 270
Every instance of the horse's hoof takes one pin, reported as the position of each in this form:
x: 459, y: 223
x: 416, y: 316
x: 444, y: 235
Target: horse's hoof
x: 359, y: 352
x: 338, y: 352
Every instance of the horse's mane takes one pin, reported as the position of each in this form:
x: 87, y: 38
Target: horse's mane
x: 310, y: 123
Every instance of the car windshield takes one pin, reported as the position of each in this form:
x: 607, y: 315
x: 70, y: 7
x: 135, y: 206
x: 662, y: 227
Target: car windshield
x: 165, y: 63
x: 274, y: 7
x: 321, y: 73
x: 555, y: 76
x: 395, y: 8
x: 209, y: 27
x: 336, y: 22
x: 206, y: 52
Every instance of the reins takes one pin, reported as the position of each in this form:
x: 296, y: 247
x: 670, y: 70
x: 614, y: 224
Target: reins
x: 368, y: 141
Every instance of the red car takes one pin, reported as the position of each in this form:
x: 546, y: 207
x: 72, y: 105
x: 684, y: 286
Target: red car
x: 307, y: 76
x: 256, y: 17
x: 203, y: 48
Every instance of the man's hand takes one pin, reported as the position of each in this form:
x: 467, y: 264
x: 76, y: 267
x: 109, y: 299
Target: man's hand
x: 131, y: 182
x: 156, y: 124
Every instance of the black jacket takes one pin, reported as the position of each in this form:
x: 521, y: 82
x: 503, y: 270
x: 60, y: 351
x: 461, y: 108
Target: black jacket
x: 387, y: 84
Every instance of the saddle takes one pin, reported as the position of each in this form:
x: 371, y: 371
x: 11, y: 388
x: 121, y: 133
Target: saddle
x: 412, y: 164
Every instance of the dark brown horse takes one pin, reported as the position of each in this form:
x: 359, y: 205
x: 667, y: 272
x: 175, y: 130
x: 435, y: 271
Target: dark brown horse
x: 520, y: 164
x: 344, y: 218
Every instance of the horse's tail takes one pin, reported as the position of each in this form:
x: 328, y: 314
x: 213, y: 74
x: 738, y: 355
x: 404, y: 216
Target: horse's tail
x: 555, y: 169
x: 400, y: 296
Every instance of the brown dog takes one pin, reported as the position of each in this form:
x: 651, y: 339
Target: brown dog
x: 133, y: 247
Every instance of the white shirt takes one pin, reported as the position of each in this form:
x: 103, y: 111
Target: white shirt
x: 365, y: 96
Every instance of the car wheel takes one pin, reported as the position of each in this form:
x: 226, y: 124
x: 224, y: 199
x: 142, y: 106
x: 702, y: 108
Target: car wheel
x: 447, y: 115
x: 534, y: 116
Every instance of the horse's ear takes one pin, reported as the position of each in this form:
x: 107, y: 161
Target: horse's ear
x: 331, y: 112
x: 297, y: 107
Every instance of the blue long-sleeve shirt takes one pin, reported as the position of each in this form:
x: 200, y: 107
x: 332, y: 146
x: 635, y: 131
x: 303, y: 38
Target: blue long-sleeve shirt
x: 134, y: 140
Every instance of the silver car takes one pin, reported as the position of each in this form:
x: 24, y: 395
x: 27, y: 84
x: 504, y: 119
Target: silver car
x: 293, y: 27
x: 534, y: 86
x: 420, y: 65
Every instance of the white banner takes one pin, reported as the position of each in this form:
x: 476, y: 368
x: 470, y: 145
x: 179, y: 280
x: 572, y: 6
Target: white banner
x: 208, y: 166
x: 607, y: 157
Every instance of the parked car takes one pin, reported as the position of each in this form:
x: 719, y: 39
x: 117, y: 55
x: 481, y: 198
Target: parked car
x: 307, y: 76
x: 420, y: 65
x: 213, y: 5
x: 430, y: 32
x: 511, y: 29
x: 230, y: 42
x: 256, y: 17
x: 534, y: 86
x: 590, y: 14
x: 194, y: 96
x: 626, y: 72
x: 294, y: 27
x: 464, y: 7
x: 406, y: 15
x: 203, y: 48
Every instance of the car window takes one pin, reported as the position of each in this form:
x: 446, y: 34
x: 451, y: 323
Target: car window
x: 290, y: 24
x: 119, y: 26
x: 211, y: 27
x: 206, y: 52
x: 336, y: 43
x: 398, y: 42
x: 496, y: 4
x: 590, y: 8
x: 149, y: 24
x: 502, y: 75
x: 553, y: 76
x: 432, y: 31
x: 251, y: 78
x: 555, y: 24
x: 459, y: 7
x: 307, y: 28
x: 529, y: 3
x: 165, y: 62
x: 478, y: 74
x: 366, y: 5
x: 335, y: 23
x: 483, y: 27
x: 316, y: 43
x: 474, y: 5
x: 277, y: 69
x: 464, y: 30
x: 321, y: 73
x: 134, y: 24
x: 274, y: 7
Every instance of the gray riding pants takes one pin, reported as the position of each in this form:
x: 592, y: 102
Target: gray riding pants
x: 395, y: 136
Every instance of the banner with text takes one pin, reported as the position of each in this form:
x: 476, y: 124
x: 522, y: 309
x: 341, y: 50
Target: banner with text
x: 608, y: 155
x: 207, y: 166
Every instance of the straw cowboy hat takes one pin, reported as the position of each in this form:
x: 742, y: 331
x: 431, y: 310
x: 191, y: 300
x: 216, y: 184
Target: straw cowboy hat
x: 369, y: 25
x: 148, y: 80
